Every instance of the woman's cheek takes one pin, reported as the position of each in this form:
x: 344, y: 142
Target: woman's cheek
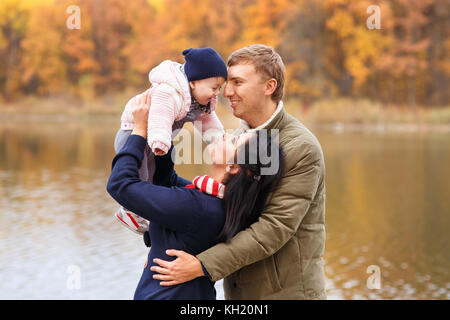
x: 211, y: 151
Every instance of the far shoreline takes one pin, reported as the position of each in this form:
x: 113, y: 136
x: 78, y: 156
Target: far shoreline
x: 334, y: 127
x: 336, y: 116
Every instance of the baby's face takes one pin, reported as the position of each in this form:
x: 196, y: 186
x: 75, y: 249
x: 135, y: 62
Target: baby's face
x: 206, y: 89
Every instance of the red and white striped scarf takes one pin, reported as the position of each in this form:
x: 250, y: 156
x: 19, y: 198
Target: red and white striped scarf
x: 208, y: 185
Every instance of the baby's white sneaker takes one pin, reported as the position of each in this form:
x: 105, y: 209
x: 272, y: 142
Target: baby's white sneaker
x: 132, y: 221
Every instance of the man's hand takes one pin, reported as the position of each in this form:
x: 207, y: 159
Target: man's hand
x: 184, y: 268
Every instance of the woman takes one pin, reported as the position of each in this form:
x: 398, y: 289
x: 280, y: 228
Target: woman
x: 192, y: 217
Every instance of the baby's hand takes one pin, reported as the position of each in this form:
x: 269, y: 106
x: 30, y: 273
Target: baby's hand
x: 159, y: 152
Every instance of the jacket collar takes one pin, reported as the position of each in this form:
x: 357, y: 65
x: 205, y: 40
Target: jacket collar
x: 271, y: 123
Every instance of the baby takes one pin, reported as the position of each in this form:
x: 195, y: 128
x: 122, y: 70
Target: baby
x: 179, y: 93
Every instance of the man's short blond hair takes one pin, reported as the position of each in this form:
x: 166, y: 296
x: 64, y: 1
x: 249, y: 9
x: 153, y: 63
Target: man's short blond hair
x: 267, y: 62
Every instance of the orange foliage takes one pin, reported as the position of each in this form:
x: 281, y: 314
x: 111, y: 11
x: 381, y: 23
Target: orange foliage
x: 326, y: 46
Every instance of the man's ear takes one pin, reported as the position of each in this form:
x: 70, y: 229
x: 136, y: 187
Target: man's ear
x: 271, y: 85
x: 233, y: 168
x: 192, y: 84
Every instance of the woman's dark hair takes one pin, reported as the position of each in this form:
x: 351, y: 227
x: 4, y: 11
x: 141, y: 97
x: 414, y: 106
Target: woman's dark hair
x: 246, y: 192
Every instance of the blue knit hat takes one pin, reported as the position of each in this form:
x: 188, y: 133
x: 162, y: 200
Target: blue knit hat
x: 203, y: 63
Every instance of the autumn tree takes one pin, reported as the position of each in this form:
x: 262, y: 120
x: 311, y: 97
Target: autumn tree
x: 13, y: 24
x: 43, y: 63
x: 326, y: 45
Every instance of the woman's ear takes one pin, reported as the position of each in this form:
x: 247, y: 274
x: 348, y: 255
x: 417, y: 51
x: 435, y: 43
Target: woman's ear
x: 233, y: 168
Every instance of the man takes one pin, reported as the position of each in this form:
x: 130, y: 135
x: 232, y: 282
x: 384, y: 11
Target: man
x: 281, y: 255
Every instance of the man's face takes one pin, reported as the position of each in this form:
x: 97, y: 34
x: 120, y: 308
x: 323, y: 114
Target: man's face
x: 245, y: 89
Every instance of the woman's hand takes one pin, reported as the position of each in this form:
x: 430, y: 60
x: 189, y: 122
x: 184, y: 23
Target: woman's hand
x: 140, y: 113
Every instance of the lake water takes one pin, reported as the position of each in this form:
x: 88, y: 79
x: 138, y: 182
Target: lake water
x: 388, y: 210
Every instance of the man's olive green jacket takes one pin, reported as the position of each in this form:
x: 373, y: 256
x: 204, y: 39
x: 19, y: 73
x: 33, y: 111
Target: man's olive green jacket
x: 281, y: 255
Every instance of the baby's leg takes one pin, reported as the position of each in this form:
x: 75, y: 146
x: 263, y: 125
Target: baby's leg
x: 128, y: 218
x: 147, y: 169
x: 121, y: 138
